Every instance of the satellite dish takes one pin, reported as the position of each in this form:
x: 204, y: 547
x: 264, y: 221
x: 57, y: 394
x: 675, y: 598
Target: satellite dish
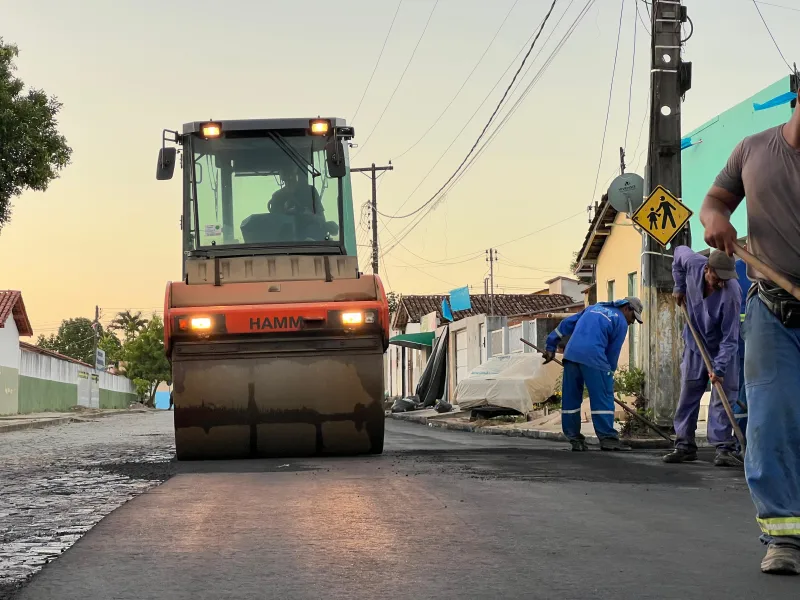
x: 626, y: 192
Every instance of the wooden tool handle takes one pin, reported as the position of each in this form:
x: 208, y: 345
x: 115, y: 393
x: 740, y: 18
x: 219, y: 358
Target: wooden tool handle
x: 765, y: 269
x: 721, y: 392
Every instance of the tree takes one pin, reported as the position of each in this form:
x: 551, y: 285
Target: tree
x: 130, y: 324
x: 146, y: 363
x: 573, y: 266
x: 32, y: 151
x: 75, y: 338
x: 394, y: 302
x: 110, y: 344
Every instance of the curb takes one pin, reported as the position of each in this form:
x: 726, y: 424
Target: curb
x: 77, y: 418
x: 537, y: 434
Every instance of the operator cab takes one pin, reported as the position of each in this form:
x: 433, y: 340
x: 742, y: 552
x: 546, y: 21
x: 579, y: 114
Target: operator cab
x: 275, y: 186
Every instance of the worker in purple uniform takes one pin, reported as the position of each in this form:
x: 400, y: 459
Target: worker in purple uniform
x: 709, y: 289
x: 740, y: 406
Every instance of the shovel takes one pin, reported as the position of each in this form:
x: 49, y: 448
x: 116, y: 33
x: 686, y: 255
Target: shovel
x: 621, y: 404
x: 717, y: 385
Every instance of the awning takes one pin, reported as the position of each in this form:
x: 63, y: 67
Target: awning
x: 417, y: 341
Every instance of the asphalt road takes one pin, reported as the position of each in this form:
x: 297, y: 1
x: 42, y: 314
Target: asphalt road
x: 440, y: 515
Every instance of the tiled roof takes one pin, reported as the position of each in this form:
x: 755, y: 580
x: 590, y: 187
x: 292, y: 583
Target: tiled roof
x: 11, y: 304
x: 599, y: 230
x: 411, y: 309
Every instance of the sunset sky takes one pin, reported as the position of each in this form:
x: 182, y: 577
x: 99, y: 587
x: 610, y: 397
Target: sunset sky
x: 107, y: 233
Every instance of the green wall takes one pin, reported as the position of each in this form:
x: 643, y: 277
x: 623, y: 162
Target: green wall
x: 715, y: 140
x: 43, y: 395
x: 9, y: 391
x: 112, y: 399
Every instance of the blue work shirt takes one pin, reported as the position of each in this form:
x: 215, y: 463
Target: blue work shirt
x: 716, y: 317
x: 597, y: 334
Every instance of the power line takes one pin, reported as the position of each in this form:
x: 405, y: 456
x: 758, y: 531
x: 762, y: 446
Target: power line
x: 460, y: 89
x: 772, y: 4
x: 774, y: 41
x: 630, y: 86
x: 491, y: 118
x: 610, y: 96
x: 516, y: 105
x: 510, y: 113
x: 377, y: 62
x: 641, y: 18
x: 402, y: 75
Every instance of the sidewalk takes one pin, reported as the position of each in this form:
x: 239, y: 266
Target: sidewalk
x: 544, y: 428
x: 38, y: 420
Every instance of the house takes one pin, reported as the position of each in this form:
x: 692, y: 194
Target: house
x: 14, y: 323
x: 418, y: 317
x: 34, y: 379
x: 566, y: 286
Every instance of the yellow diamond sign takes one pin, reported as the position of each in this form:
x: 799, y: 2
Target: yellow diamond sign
x: 662, y: 216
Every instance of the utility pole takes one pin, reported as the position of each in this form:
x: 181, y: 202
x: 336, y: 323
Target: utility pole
x: 491, y: 257
x: 373, y: 171
x: 95, y: 328
x: 670, y: 78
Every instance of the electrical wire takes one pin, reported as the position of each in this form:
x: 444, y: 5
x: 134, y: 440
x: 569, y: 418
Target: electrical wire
x: 377, y: 62
x: 463, y: 85
x: 573, y: 27
x: 641, y: 18
x: 399, y: 81
x: 610, y: 96
x: 630, y: 86
x: 774, y: 41
x: 491, y: 118
x: 778, y: 6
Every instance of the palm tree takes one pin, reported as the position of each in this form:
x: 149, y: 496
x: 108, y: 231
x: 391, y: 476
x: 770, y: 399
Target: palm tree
x: 130, y: 324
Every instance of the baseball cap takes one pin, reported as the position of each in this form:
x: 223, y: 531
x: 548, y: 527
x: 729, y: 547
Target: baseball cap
x: 637, y: 307
x: 724, y: 266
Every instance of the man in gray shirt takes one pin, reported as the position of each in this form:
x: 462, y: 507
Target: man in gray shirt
x: 766, y: 168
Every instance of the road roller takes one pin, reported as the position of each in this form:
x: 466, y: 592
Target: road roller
x: 275, y: 337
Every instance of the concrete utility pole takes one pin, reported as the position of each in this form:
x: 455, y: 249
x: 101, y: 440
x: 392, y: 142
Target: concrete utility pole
x: 95, y: 328
x: 491, y: 257
x: 373, y: 170
x: 669, y: 80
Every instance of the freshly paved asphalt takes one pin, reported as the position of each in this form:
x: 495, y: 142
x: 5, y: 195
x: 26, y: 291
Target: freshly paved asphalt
x: 441, y: 514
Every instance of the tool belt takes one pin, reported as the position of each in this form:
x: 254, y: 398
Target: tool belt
x: 779, y: 302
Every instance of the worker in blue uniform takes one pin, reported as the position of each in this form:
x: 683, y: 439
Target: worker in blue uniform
x: 590, y: 358
x: 740, y: 407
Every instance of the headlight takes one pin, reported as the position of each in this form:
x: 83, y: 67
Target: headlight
x: 201, y: 323
x: 352, y: 318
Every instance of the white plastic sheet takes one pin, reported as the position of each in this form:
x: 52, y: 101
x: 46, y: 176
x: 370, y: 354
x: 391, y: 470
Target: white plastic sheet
x: 515, y: 381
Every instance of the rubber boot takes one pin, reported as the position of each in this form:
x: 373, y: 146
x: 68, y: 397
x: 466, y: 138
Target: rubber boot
x: 781, y: 560
x: 679, y: 455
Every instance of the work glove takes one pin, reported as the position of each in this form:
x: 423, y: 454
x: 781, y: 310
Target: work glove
x: 548, y: 356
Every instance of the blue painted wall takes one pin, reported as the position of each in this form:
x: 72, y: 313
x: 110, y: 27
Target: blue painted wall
x: 162, y: 400
x: 713, y: 143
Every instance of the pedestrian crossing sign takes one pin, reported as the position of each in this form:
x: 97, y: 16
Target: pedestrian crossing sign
x: 662, y: 216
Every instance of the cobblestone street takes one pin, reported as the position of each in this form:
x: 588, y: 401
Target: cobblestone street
x: 58, y: 482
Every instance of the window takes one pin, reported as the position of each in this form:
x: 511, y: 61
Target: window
x: 633, y: 330
x: 611, y: 290
x: 263, y: 190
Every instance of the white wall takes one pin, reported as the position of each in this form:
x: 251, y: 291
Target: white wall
x: 568, y: 287
x: 46, y: 367
x: 9, y: 344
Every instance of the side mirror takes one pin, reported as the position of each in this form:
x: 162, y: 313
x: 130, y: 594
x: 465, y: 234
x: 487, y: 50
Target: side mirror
x: 166, y: 163
x: 334, y: 152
